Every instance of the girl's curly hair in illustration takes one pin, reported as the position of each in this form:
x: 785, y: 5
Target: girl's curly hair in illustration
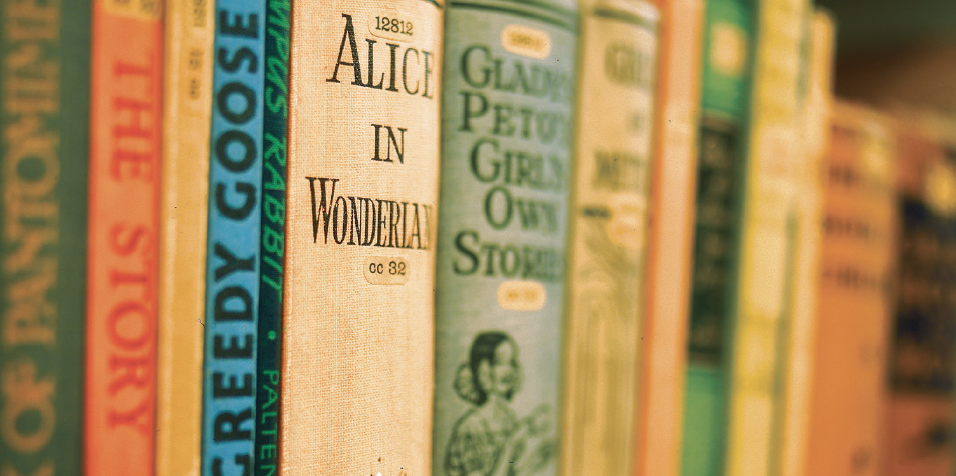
x: 468, y: 383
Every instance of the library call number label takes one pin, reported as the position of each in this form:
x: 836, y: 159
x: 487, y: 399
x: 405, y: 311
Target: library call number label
x: 391, y: 25
x: 387, y: 271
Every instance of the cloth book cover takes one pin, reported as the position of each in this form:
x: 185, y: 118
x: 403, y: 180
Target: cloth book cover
x: 509, y: 85
x: 358, y: 319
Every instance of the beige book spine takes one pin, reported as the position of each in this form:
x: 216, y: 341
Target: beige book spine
x: 608, y: 224
x: 185, y: 182
x: 358, y: 319
x: 767, y: 260
x: 810, y: 176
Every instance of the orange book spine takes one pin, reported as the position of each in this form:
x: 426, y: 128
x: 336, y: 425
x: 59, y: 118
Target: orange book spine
x: 125, y: 134
x: 670, y: 247
x: 854, y: 299
x: 920, y: 408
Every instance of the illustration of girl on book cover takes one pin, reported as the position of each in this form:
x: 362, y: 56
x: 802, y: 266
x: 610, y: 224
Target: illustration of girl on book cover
x: 489, y: 439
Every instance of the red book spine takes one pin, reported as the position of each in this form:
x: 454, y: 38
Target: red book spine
x: 125, y: 127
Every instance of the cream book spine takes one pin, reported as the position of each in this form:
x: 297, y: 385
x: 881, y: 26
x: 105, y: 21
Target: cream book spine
x: 358, y: 319
x: 610, y: 189
x: 810, y: 180
x: 768, y: 243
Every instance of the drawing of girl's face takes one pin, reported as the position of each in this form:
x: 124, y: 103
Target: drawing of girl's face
x: 503, y: 369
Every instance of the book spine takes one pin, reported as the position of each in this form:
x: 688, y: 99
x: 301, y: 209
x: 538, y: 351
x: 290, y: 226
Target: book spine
x: 232, y: 253
x: 182, y: 253
x: 674, y: 181
x: 814, y: 124
x: 125, y: 161
x: 727, y: 50
x: 919, y: 411
x: 358, y: 312
x: 502, y: 237
x: 44, y: 146
x: 854, y: 296
x: 762, y: 306
x: 272, y: 247
x: 607, y: 235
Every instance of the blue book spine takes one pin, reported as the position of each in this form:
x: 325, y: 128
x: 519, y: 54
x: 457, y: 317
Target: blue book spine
x: 232, y: 279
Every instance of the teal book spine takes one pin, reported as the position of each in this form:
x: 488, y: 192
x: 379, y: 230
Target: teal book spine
x: 233, y: 242
x: 272, y: 248
x: 721, y: 168
x: 508, y: 79
x: 44, y: 151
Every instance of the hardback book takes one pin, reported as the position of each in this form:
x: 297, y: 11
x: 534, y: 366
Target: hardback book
x: 44, y: 155
x: 610, y: 184
x: 919, y: 398
x: 275, y: 119
x: 124, y: 231
x: 235, y: 157
x: 358, y: 306
x: 809, y: 175
x: 507, y: 108
x: 727, y: 49
x: 182, y: 249
x: 670, y: 234
x: 855, y: 298
x: 762, y: 311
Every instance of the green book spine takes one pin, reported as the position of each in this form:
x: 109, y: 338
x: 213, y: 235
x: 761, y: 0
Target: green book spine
x: 272, y: 249
x: 726, y: 55
x: 508, y: 76
x: 44, y: 115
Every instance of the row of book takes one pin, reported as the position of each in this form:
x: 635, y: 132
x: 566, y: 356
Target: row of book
x: 473, y: 237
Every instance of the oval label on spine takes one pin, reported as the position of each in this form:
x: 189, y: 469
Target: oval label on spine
x: 391, y: 25
x: 519, y: 295
x: 526, y: 41
x: 628, y: 215
x: 387, y: 270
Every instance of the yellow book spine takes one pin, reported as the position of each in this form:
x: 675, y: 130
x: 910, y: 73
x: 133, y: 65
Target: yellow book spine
x: 810, y: 178
x: 767, y: 245
x: 670, y: 248
x: 185, y: 183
